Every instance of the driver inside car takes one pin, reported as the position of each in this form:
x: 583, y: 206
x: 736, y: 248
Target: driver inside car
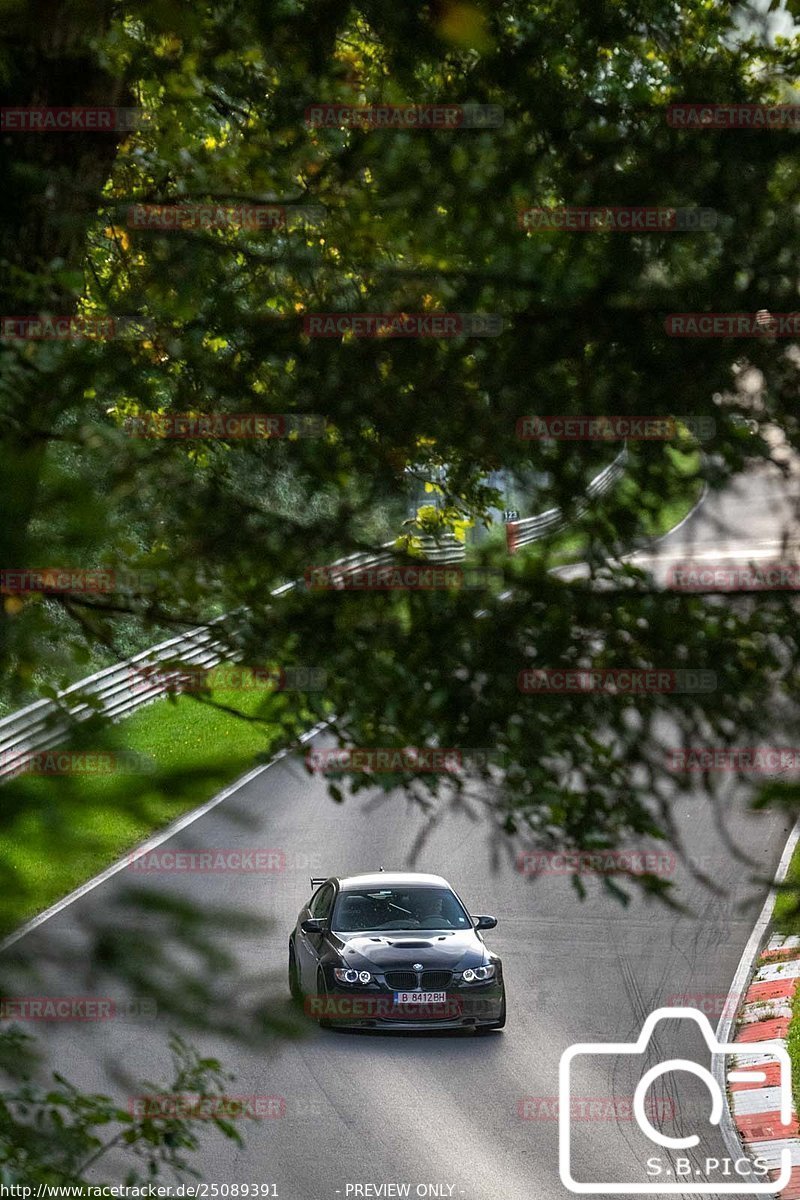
x: 429, y: 911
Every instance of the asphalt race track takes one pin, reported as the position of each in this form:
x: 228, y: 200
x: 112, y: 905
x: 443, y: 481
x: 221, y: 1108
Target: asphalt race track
x: 472, y: 1115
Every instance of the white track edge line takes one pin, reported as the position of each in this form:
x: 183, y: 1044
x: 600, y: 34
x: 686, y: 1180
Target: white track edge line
x: 738, y: 987
x: 152, y: 843
x: 701, y: 499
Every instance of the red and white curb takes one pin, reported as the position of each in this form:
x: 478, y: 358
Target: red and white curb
x: 764, y: 1015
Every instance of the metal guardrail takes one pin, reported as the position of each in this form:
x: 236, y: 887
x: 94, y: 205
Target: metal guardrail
x: 446, y: 549
x: 115, y: 691
x: 531, y: 529
x: 119, y: 690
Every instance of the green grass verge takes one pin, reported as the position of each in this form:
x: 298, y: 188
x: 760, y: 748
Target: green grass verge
x: 786, y: 914
x: 61, y: 831
x: 786, y: 920
x: 684, y: 488
x: 793, y: 1046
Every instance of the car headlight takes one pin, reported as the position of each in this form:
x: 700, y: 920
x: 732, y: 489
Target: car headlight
x: 478, y: 974
x: 350, y: 975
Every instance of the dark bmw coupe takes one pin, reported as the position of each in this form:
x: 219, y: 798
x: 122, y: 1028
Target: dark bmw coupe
x: 394, y: 950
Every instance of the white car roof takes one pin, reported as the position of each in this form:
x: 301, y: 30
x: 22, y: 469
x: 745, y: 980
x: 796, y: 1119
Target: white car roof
x: 393, y: 879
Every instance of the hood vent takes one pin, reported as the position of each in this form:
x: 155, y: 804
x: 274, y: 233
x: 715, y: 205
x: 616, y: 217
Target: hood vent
x: 412, y: 945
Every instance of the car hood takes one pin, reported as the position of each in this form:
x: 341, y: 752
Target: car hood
x: 398, y: 949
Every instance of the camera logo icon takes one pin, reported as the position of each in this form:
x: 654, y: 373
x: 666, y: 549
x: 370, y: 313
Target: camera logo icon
x: 771, y: 1049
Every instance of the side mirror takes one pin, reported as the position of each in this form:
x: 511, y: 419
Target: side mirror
x: 314, y: 925
x: 485, y: 922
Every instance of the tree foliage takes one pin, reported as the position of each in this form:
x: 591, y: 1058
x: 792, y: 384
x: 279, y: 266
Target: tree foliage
x: 413, y: 221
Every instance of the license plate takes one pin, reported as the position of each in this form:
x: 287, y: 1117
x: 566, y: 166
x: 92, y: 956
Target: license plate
x: 420, y: 997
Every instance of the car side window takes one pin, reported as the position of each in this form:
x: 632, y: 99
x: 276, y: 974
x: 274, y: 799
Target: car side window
x: 322, y: 903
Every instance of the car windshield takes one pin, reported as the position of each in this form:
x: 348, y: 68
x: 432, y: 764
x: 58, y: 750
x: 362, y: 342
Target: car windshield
x: 398, y: 908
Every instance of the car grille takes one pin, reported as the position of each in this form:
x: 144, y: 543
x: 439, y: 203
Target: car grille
x: 401, y: 981
x: 436, y: 981
x: 406, y: 981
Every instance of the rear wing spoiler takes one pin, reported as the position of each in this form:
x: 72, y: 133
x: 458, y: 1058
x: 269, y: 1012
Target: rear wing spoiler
x: 315, y: 883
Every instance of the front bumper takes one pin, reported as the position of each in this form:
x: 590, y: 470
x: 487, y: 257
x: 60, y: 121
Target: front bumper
x: 372, y: 1009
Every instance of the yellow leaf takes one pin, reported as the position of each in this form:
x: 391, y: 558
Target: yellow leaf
x: 465, y: 26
